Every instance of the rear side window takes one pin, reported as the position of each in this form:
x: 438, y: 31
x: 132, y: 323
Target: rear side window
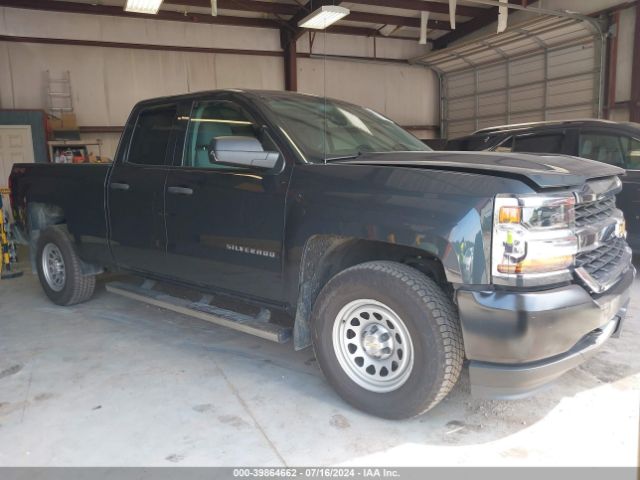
x: 604, y: 148
x: 545, y: 143
x: 151, y: 136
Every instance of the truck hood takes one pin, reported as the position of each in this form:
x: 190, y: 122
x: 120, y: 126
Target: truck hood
x: 541, y: 170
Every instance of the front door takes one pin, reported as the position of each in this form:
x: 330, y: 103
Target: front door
x: 225, y: 223
x: 136, y: 191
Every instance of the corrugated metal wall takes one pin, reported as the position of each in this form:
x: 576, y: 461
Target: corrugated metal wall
x: 545, y: 68
x: 554, y: 84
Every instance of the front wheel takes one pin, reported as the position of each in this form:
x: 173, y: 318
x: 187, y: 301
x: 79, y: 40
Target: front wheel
x: 59, y: 269
x: 387, y: 339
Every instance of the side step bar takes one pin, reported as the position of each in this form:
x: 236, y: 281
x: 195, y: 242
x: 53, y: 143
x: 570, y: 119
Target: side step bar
x: 258, y: 326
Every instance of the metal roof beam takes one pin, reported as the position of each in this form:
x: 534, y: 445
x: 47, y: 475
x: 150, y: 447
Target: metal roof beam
x: 116, y: 11
x: 290, y: 9
x: 486, y: 17
x: 241, y: 6
x: 422, y: 6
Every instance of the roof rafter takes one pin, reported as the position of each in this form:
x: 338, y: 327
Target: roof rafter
x: 422, y: 6
x: 289, y: 9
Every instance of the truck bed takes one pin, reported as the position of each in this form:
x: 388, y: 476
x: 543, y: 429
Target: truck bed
x: 78, y: 190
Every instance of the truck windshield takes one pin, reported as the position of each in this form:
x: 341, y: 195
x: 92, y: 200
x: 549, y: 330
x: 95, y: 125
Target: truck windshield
x: 328, y: 129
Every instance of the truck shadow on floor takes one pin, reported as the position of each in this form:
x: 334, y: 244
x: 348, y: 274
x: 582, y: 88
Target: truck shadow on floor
x: 273, y: 378
x: 459, y: 420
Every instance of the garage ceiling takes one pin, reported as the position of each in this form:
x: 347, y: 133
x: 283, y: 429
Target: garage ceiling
x: 367, y: 17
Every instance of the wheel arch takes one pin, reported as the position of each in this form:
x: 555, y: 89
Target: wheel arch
x: 44, y: 215
x: 326, y: 255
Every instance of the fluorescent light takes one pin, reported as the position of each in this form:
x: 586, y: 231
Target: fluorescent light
x: 143, y: 6
x: 323, y: 17
x: 214, y: 8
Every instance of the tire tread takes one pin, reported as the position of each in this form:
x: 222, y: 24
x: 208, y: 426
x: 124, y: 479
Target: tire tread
x: 81, y: 286
x: 444, y: 314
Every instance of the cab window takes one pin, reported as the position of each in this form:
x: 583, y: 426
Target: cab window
x: 213, y: 119
x: 151, y: 135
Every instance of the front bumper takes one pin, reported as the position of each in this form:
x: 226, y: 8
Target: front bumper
x: 519, y: 341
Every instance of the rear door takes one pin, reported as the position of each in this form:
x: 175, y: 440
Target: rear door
x: 225, y: 223
x: 136, y: 190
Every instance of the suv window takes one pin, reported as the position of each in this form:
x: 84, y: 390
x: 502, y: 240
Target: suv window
x: 213, y: 119
x: 544, y: 143
x: 151, y: 135
x: 631, y: 148
x: 472, y: 143
x: 505, y: 146
x: 602, y: 147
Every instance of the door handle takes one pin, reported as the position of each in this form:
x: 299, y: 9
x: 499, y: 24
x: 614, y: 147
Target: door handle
x: 119, y: 186
x: 180, y: 190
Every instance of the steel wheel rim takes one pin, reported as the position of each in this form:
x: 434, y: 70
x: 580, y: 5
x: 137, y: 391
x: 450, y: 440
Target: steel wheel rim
x: 373, y: 345
x: 53, y: 267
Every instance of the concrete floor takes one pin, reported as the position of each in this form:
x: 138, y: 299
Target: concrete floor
x: 114, y: 382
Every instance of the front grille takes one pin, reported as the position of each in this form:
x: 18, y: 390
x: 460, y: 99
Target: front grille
x: 595, y: 212
x: 601, y: 263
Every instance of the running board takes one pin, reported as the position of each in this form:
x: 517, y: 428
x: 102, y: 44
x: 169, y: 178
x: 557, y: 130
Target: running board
x: 258, y: 325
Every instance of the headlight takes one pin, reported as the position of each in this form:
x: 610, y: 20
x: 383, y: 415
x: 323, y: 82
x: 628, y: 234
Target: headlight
x: 532, y: 240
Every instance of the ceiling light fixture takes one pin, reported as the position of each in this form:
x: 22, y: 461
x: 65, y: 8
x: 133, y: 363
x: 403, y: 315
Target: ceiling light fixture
x: 323, y: 17
x: 143, y: 6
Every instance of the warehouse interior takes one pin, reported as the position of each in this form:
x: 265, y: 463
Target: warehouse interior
x: 115, y: 382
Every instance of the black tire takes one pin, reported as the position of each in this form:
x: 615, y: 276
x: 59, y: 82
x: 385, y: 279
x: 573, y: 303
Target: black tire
x: 76, y: 287
x: 429, y: 317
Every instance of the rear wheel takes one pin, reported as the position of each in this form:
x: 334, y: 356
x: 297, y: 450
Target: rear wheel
x: 387, y: 339
x: 59, y: 269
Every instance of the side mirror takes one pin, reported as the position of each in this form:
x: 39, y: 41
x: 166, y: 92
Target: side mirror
x: 241, y: 151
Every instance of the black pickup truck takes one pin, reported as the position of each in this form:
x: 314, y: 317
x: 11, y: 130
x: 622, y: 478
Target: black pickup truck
x: 334, y: 225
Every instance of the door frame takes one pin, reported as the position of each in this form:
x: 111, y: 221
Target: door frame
x: 33, y: 153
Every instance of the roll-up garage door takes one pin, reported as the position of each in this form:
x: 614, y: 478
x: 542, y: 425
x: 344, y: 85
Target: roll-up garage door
x: 545, y: 69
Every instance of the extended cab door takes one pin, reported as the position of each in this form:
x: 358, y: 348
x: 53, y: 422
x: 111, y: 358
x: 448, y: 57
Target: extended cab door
x: 225, y: 223
x: 135, y: 190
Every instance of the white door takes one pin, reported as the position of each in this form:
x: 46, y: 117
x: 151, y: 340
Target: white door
x: 16, y: 146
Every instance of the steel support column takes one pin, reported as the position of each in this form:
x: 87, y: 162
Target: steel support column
x: 288, y: 43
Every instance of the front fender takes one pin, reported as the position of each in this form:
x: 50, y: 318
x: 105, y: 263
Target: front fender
x: 448, y: 215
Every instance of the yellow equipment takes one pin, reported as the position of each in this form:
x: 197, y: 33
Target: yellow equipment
x: 7, y: 248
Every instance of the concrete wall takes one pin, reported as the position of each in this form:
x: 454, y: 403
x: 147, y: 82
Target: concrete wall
x: 106, y: 81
